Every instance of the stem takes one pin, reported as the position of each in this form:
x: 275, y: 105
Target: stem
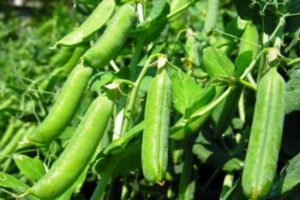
x: 136, y: 55
x: 247, y: 84
x: 179, y: 10
x: 212, y: 105
x: 101, y: 185
x: 133, y: 94
x: 294, y: 62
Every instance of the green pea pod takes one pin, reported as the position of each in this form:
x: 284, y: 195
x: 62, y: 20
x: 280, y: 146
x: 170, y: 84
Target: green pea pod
x: 93, y: 23
x: 73, y: 60
x: 61, y: 56
x: 13, y: 144
x: 265, y: 138
x: 78, y: 152
x: 60, y: 73
x: 112, y: 40
x: 212, y: 15
x: 156, y: 129
x: 64, y: 107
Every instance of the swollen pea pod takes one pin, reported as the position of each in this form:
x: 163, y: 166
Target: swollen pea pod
x: 112, y: 40
x: 156, y: 129
x: 78, y: 153
x: 64, y: 107
x: 93, y: 23
x: 265, y: 138
x: 212, y: 15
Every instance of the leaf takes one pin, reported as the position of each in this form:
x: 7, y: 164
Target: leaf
x: 216, y: 63
x: 248, y: 10
x: 123, y: 161
x: 160, y: 8
x: 185, y: 91
x: 121, y: 143
x: 209, y: 152
x: 292, y: 23
x: 207, y: 95
x: 10, y: 181
x: 292, y: 94
x: 290, y: 177
x: 32, y: 168
x: 242, y: 62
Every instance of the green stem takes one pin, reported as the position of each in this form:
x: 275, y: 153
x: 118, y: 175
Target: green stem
x: 101, y: 185
x: 247, y: 84
x: 293, y: 62
x: 133, y: 94
x: 179, y: 10
x: 136, y: 55
x: 213, y: 104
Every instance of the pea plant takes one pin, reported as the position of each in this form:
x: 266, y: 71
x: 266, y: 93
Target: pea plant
x: 162, y: 99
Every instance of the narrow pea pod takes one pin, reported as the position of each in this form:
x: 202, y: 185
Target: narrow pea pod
x: 64, y: 107
x: 112, y: 40
x: 93, y: 23
x: 156, y: 130
x: 265, y: 138
x: 78, y: 153
x: 13, y: 144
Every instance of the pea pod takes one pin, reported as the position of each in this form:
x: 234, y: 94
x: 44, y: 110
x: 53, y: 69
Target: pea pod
x: 13, y: 144
x: 93, y: 23
x: 156, y: 129
x: 112, y: 40
x: 64, y: 107
x: 265, y: 138
x: 78, y: 152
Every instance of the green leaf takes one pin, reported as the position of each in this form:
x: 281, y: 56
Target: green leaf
x: 32, y: 168
x: 292, y: 94
x: 10, y: 181
x: 216, y: 63
x: 160, y: 8
x: 292, y: 23
x: 248, y: 10
x: 206, y: 96
x: 242, y: 62
x: 123, y: 161
x: 210, y: 153
x: 290, y: 177
x: 185, y: 91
